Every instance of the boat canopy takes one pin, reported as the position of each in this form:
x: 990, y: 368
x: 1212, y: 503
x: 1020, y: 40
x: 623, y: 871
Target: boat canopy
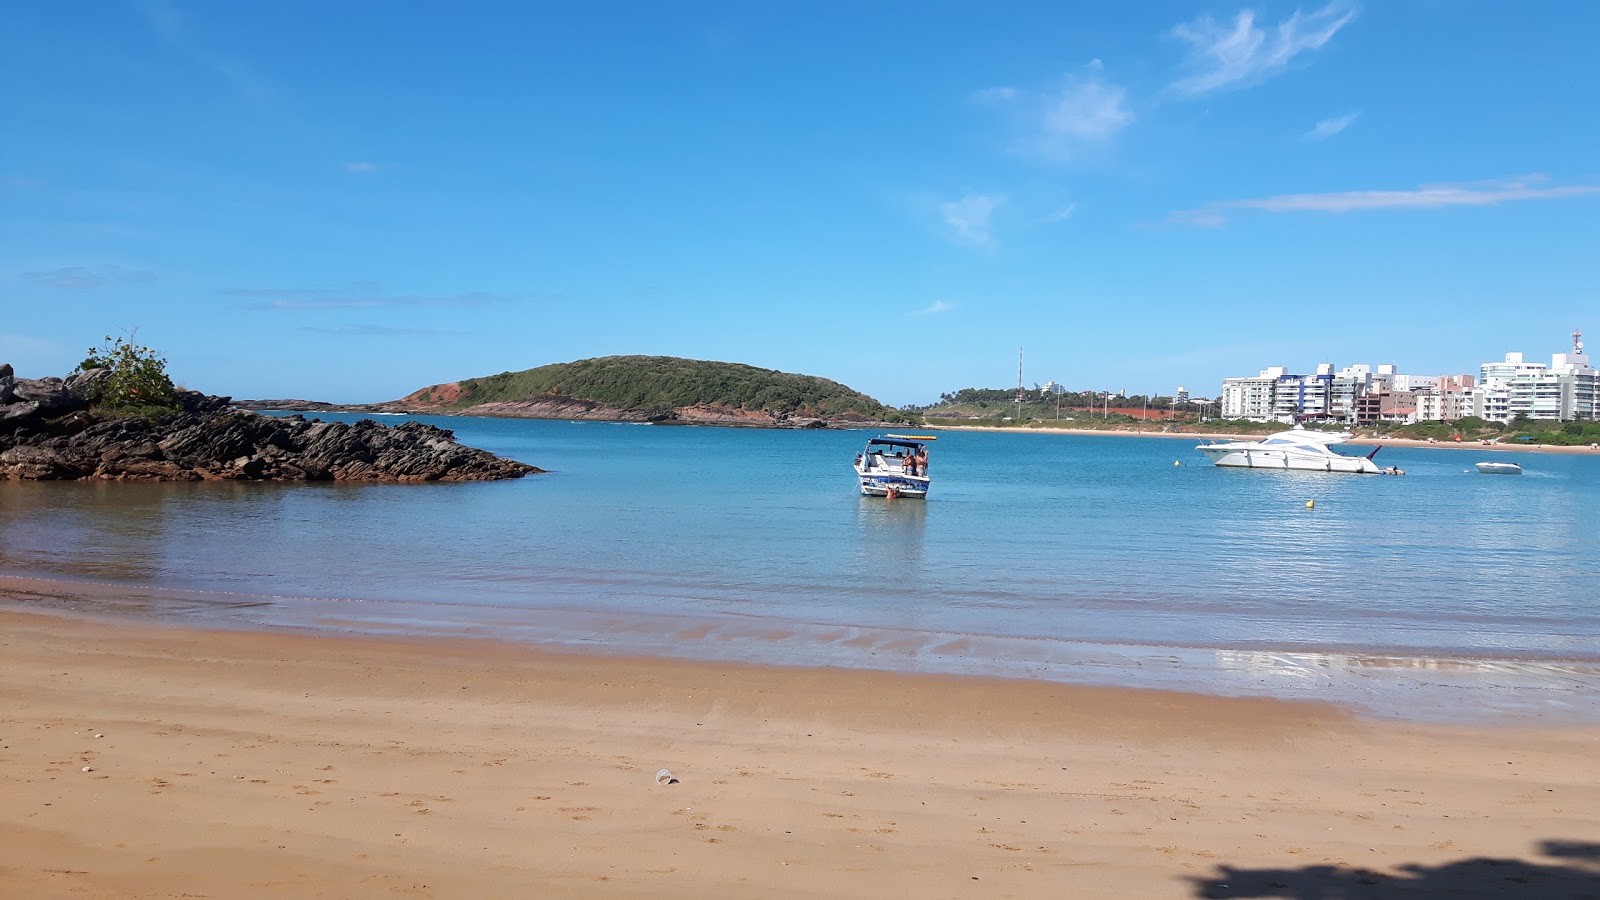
x: 895, y: 442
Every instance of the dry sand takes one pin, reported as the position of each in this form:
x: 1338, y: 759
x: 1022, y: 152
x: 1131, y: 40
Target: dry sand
x: 247, y: 764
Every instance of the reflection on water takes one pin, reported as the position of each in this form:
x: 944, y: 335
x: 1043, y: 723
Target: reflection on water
x: 1031, y: 543
x: 889, y: 535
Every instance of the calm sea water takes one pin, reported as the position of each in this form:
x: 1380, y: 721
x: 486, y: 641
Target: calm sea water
x: 1074, y: 558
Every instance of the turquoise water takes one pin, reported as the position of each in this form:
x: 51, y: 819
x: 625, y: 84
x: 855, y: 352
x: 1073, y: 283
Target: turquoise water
x: 1076, y: 558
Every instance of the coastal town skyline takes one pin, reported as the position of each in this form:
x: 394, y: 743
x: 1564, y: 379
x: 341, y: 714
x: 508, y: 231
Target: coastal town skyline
x: 284, y: 202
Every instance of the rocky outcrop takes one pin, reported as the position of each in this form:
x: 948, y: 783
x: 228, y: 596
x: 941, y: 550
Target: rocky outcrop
x: 47, y: 431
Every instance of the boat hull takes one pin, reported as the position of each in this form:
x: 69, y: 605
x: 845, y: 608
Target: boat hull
x: 1278, y: 459
x: 1495, y: 468
x: 879, y: 485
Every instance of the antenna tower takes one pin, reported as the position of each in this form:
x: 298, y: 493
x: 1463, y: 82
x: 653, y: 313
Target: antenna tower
x: 1019, y: 384
x: 1577, y: 341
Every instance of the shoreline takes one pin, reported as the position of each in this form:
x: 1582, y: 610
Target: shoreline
x: 1439, y: 685
x: 262, y: 764
x: 1584, y: 450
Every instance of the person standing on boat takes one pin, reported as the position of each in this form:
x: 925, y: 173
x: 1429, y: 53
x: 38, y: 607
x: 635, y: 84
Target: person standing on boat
x: 920, y: 461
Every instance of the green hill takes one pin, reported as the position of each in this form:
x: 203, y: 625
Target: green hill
x: 658, y: 385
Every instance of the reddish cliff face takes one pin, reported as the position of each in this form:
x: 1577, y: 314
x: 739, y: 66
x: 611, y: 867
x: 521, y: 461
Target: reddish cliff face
x: 436, y: 395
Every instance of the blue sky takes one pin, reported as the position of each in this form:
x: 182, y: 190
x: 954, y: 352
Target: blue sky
x: 347, y: 201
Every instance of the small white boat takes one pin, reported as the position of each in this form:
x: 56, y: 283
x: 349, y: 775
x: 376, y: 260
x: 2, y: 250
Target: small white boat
x: 1499, y: 468
x: 1296, y: 449
x: 894, y: 466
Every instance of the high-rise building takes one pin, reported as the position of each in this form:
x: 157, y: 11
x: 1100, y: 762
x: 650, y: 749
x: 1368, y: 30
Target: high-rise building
x: 1568, y: 389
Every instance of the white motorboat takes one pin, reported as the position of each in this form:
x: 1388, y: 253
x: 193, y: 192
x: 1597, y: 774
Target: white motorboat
x: 894, y: 465
x: 1295, y: 449
x: 1499, y: 468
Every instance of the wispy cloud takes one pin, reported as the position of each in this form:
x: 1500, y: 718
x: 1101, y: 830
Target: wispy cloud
x: 360, y: 297
x: 969, y: 217
x: 13, y: 347
x: 373, y: 331
x: 1081, y: 113
x: 360, y: 168
x: 934, y: 308
x: 995, y: 95
x: 1229, y: 56
x: 1087, y: 109
x: 1062, y: 214
x: 81, y: 277
x: 172, y: 27
x: 1327, y: 128
x: 1489, y: 193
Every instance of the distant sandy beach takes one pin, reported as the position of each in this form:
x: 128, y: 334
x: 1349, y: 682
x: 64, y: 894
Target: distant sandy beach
x: 1219, y: 436
x: 153, y: 761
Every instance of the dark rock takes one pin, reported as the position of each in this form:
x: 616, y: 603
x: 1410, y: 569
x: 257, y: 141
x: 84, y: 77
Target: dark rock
x: 82, y: 384
x: 194, y: 401
x: 8, y: 382
x: 50, y: 393
x: 235, y: 445
x: 209, y: 440
x: 19, y: 411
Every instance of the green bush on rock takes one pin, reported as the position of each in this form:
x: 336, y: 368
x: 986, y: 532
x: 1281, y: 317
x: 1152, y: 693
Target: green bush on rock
x: 135, y: 378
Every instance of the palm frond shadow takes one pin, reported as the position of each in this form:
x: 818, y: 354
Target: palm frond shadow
x: 1573, y: 872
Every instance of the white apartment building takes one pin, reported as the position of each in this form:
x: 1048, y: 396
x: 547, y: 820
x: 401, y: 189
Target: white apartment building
x: 1252, y: 398
x: 1276, y: 395
x: 1357, y: 394
x: 1568, y: 389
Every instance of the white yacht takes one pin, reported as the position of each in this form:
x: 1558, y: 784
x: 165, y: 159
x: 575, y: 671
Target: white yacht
x: 895, y: 465
x: 1297, y: 448
x: 1499, y: 468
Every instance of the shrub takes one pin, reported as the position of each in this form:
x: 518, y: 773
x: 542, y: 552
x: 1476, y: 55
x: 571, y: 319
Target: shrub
x: 136, y: 377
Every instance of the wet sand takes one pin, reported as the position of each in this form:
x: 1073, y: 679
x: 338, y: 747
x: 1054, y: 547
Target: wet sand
x: 266, y: 764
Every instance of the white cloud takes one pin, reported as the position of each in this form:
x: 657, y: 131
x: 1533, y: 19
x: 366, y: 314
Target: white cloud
x: 1065, y: 121
x: 969, y: 216
x: 1491, y: 193
x: 1327, y: 128
x: 938, y: 306
x: 1086, y: 109
x: 79, y: 277
x: 171, y: 25
x: 1226, y: 56
x: 996, y: 94
x: 360, y: 168
x: 1062, y: 214
x: 363, y: 296
x: 374, y: 331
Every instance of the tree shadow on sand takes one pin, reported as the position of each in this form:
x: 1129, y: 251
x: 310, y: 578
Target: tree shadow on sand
x: 1575, y: 873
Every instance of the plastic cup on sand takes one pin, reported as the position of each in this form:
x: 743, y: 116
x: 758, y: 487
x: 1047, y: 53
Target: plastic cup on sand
x: 664, y: 777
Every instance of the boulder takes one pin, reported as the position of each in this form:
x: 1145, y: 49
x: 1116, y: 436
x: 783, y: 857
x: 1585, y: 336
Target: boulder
x: 19, y: 411
x: 51, y: 394
x: 82, y: 384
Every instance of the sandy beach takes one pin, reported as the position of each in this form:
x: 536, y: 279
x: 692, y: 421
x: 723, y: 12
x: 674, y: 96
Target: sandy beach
x: 152, y: 761
x: 1197, y: 436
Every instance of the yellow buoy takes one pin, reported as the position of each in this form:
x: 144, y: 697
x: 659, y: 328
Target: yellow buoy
x: 1311, y: 504
x: 1177, y: 462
